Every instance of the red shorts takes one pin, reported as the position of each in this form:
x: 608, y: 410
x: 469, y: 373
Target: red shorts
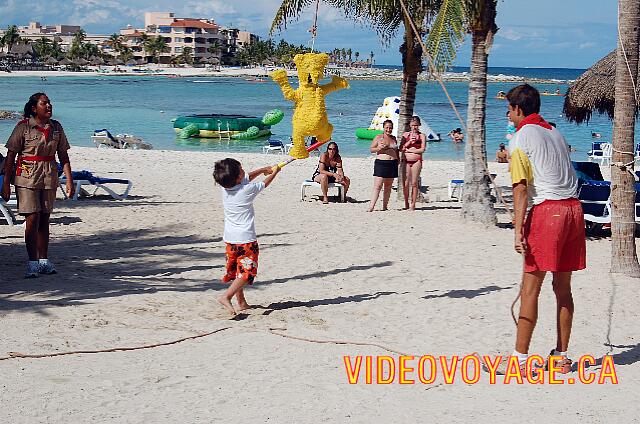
x: 242, y: 262
x: 555, y: 236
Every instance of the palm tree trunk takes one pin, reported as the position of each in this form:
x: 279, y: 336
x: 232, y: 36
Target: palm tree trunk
x: 411, y: 65
x: 476, y: 200
x: 623, y: 247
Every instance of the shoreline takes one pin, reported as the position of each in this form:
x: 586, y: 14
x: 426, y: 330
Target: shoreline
x: 375, y: 74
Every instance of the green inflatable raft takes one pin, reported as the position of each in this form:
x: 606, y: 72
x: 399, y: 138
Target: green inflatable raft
x: 240, y: 127
x: 367, y: 134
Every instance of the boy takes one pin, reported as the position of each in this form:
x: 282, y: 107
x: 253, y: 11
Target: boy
x: 242, y: 249
x: 553, y: 236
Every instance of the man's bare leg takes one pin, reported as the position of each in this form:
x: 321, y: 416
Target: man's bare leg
x: 242, y: 302
x: 225, y: 298
x: 564, y: 315
x: 531, y: 284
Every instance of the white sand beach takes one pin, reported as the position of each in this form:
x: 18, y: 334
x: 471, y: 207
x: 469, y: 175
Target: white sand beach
x: 253, y: 72
x: 145, y: 270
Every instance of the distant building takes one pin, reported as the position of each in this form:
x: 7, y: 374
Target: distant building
x: 62, y: 34
x: 198, y: 34
x: 234, y: 40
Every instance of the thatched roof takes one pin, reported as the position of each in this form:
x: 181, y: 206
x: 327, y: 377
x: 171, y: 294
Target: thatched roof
x: 592, y: 91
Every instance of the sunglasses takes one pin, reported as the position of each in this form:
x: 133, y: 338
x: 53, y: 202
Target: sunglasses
x: 331, y: 148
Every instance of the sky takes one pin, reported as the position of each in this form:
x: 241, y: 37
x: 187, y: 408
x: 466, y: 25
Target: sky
x: 544, y: 33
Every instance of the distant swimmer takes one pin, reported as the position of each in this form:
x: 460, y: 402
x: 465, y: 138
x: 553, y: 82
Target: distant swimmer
x: 501, y: 95
x: 596, y: 135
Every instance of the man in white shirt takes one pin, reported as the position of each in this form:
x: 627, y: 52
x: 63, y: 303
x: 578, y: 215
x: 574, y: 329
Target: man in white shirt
x: 553, y: 236
x: 238, y: 193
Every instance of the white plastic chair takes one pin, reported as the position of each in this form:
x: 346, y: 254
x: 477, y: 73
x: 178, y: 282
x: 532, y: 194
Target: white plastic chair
x: 274, y: 148
x: 607, y: 152
x: 5, y: 207
x: 310, y: 183
x: 456, y: 186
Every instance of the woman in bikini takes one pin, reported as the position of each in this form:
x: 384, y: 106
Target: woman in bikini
x: 330, y: 170
x: 412, y: 145
x: 385, y: 168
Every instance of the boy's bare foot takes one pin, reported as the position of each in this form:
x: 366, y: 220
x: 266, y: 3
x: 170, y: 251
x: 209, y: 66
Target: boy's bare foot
x: 227, y: 305
x: 370, y: 209
x: 243, y: 306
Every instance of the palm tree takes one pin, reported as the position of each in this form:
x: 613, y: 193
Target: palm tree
x: 455, y: 18
x: 215, y: 48
x: 371, y: 59
x: 42, y: 47
x: 186, y: 56
x: 77, y: 44
x: 116, y: 42
x: 349, y: 52
x: 156, y: 45
x: 11, y: 36
x: 357, y: 56
x: 623, y: 247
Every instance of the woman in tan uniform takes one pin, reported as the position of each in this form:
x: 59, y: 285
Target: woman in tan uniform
x: 35, y: 141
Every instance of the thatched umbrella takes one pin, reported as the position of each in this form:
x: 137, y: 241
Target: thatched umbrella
x: 66, y: 61
x: 141, y: 61
x: 81, y: 62
x: 51, y: 61
x: 131, y: 62
x: 115, y: 61
x: 97, y: 61
x: 592, y: 91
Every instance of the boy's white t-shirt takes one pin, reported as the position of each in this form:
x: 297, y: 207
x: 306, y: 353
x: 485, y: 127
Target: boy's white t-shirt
x: 239, y: 226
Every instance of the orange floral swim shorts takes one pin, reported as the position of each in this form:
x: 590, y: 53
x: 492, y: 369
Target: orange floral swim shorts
x: 242, y: 262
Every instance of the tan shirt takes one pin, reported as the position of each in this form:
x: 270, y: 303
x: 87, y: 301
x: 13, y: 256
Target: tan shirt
x: 27, y: 139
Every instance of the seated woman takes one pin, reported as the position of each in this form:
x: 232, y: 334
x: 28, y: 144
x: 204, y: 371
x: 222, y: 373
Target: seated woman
x: 412, y: 145
x: 330, y: 170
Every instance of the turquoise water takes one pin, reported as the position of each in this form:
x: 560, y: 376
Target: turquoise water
x: 144, y: 106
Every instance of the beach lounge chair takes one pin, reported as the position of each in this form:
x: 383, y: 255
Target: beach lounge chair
x: 273, y: 147
x: 310, y: 183
x: 587, y: 171
x: 596, y: 150
x: 86, y: 178
x: 601, y: 152
x: 456, y: 188
x: 103, y: 139
x: 595, y: 199
x: 5, y: 207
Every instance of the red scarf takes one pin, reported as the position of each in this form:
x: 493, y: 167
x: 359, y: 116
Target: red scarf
x: 45, y: 131
x: 534, y: 119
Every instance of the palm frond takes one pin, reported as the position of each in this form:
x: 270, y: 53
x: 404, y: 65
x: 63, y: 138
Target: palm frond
x: 288, y: 11
x: 447, y: 33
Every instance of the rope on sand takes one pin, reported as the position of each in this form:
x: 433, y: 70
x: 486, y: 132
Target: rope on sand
x: 338, y: 342
x: 13, y: 355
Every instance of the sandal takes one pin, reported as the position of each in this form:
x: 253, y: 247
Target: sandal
x: 564, y: 364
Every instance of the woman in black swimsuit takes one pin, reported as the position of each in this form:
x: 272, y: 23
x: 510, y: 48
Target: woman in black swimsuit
x: 330, y: 170
x: 385, y: 168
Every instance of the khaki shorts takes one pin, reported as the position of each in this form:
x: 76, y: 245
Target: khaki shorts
x: 32, y: 200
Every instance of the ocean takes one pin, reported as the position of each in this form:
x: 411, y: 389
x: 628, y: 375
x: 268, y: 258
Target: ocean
x: 145, y: 105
